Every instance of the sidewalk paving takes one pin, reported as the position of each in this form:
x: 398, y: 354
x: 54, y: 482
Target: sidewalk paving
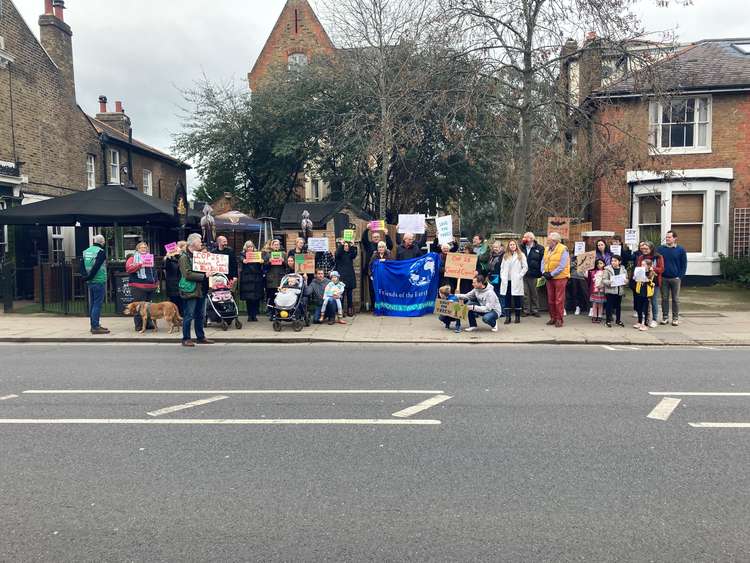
x: 697, y: 328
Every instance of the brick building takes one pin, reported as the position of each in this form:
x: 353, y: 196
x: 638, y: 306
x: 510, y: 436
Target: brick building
x: 49, y: 147
x: 691, y: 142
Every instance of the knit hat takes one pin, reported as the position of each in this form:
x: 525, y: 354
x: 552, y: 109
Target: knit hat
x: 334, y: 274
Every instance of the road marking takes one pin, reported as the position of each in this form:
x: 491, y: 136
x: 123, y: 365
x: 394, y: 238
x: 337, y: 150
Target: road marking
x: 629, y: 348
x: 8, y: 397
x: 232, y: 392
x: 219, y: 421
x: 424, y: 405
x: 610, y: 348
x: 697, y: 394
x: 664, y: 409
x: 720, y: 424
x: 167, y: 410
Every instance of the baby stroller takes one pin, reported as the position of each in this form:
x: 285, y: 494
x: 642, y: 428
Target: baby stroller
x: 290, y: 305
x: 222, y: 308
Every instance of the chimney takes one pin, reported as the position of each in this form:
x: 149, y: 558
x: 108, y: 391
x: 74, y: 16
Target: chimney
x: 118, y: 107
x: 117, y: 119
x: 56, y: 38
x: 102, y: 104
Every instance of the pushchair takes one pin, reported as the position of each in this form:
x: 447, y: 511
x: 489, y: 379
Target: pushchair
x: 222, y: 308
x: 290, y: 303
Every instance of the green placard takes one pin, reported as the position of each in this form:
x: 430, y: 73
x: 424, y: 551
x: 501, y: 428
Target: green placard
x: 348, y: 235
x: 299, y: 258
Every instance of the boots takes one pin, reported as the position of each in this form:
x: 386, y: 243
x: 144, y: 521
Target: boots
x: 349, y: 312
x: 518, y: 316
x: 507, y: 316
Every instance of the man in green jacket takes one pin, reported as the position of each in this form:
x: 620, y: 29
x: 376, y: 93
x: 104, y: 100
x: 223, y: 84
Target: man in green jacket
x: 193, y: 286
x: 94, y: 272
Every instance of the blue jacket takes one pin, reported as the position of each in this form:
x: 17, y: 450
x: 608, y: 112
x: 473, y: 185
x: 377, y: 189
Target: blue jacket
x: 675, y: 261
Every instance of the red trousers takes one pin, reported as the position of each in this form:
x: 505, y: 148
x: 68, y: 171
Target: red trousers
x: 556, y: 298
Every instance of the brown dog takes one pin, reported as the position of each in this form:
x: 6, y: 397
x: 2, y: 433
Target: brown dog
x: 166, y: 310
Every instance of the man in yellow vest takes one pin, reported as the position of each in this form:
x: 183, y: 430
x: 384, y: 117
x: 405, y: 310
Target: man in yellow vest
x: 556, y: 270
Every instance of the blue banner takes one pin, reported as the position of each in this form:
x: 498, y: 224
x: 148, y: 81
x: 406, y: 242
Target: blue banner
x: 406, y: 288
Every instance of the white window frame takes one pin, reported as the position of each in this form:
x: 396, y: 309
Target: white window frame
x: 148, y: 182
x: 114, y: 167
x: 57, y: 235
x: 4, y: 243
x: 294, y: 61
x: 656, y: 108
x: 90, y: 171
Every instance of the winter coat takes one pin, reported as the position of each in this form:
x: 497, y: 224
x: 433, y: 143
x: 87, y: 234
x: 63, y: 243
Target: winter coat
x: 403, y: 253
x: 609, y: 273
x: 592, y: 281
x: 274, y: 274
x: 486, y: 299
x: 187, y: 272
x: 172, y: 275
x: 534, y: 257
x: 316, y: 290
x: 512, y: 271
x: 607, y: 257
x: 252, y: 283
x: 494, y: 266
x: 657, y: 264
x: 345, y: 265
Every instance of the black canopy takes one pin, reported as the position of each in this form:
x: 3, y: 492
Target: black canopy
x: 101, y: 207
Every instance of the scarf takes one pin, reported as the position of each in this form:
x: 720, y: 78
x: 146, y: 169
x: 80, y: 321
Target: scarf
x: 137, y: 259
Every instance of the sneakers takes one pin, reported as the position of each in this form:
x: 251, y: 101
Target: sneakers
x: 620, y: 324
x: 653, y: 324
x: 675, y: 322
x: 643, y: 328
x: 609, y: 324
x: 471, y: 329
x: 635, y: 315
x: 458, y: 330
x: 100, y: 330
x: 665, y: 321
x: 496, y: 327
x: 578, y: 311
x: 637, y: 326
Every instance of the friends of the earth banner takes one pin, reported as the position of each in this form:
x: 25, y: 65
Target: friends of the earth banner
x: 406, y: 288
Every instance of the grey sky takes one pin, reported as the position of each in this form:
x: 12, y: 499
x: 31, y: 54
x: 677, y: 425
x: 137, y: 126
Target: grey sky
x: 143, y: 51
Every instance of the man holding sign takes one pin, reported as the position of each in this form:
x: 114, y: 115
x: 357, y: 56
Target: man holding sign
x: 193, y: 288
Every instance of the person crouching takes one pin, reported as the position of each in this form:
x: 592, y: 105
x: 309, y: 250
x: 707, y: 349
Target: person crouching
x: 482, y: 302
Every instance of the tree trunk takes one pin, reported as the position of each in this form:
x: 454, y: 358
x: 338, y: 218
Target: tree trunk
x: 527, y: 179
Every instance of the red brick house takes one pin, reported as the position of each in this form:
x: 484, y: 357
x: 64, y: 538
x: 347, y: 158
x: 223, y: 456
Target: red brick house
x: 692, y: 168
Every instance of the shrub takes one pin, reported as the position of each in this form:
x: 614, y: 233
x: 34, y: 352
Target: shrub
x: 736, y: 269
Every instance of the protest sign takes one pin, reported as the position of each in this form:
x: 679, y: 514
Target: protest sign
x: 213, y: 263
x: 376, y: 225
x: 639, y: 274
x: 615, y: 249
x: 619, y: 280
x: 277, y: 259
x: 348, y: 235
x: 171, y: 247
x: 317, y: 244
x: 452, y: 309
x: 559, y: 225
x: 460, y: 266
x: 444, y: 229
x: 586, y: 262
x: 580, y: 248
x: 147, y: 260
x: 406, y: 288
x: 631, y: 237
x: 411, y: 224
x: 304, y: 263
x: 253, y: 257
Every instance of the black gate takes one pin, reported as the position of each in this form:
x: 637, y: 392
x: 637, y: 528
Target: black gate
x: 7, y: 284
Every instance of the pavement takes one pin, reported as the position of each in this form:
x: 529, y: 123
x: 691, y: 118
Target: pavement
x: 722, y: 328
x: 316, y: 453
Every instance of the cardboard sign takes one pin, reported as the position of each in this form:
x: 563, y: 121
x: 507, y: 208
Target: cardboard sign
x: 348, y: 235
x: 304, y: 263
x: 559, y: 225
x: 580, y: 248
x: 631, y: 237
x: 452, y: 309
x: 253, y: 257
x: 444, y: 229
x: 615, y: 249
x: 411, y: 224
x: 171, y: 247
x: 213, y: 263
x: 586, y: 262
x: 460, y: 266
x: 317, y: 244
x: 147, y: 260
x: 376, y: 225
x: 277, y: 259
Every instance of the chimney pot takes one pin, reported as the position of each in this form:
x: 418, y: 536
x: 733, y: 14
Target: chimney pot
x: 59, y: 6
x: 118, y: 107
x: 102, y: 104
x: 48, y: 8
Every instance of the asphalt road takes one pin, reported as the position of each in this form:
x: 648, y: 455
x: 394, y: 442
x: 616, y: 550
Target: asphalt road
x: 542, y: 453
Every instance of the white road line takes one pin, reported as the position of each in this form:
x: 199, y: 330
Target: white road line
x: 232, y: 392
x: 664, y: 409
x: 424, y: 405
x: 629, y: 348
x: 167, y: 410
x: 720, y: 424
x: 697, y: 394
x: 220, y: 421
x: 8, y: 397
x: 610, y: 348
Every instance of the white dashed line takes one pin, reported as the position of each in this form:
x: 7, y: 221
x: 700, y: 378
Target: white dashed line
x: 720, y: 424
x: 664, y: 409
x: 424, y: 405
x: 239, y: 422
x: 610, y: 348
x: 697, y: 394
x: 167, y: 410
x: 8, y: 397
x: 232, y: 392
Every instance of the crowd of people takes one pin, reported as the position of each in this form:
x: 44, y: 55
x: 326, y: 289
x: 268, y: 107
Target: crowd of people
x: 506, y: 284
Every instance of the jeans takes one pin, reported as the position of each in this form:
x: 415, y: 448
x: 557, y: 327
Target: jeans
x: 487, y: 318
x: 556, y: 298
x: 328, y: 300
x: 614, y: 305
x: 177, y: 300
x: 654, y: 304
x: 141, y: 295
x: 670, y: 285
x: 194, y: 311
x: 96, y: 300
x: 530, y: 295
x: 446, y: 320
x: 330, y: 311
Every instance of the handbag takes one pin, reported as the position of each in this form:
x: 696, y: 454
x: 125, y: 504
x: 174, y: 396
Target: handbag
x: 186, y: 286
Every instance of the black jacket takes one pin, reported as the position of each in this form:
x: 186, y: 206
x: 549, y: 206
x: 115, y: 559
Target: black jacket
x: 345, y: 265
x: 403, y: 253
x: 494, y: 265
x: 368, y: 248
x: 252, y: 283
x: 172, y: 275
x: 534, y: 259
x: 232, y: 261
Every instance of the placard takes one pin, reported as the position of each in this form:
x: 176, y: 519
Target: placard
x: 452, y: 309
x: 619, y: 280
x: 631, y: 237
x: 252, y: 257
x: 348, y: 235
x: 317, y: 244
x: 615, y: 249
x: 580, y: 248
x: 460, y: 266
x: 210, y: 263
x: 277, y: 259
x: 413, y: 223
x: 304, y: 263
x: 586, y: 262
x: 444, y: 229
x: 639, y: 274
x: 147, y: 260
x: 559, y: 225
x: 171, y: 247
x: 376, y: 225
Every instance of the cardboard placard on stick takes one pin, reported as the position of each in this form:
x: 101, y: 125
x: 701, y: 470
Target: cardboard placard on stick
x: 207, y: 262
x: 586, y: 262
x: 460, y: 266
x: 452, y: 309
x: 304, y: 263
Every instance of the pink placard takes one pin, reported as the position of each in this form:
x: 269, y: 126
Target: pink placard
x: 171, y: 247
x: 147, y: 260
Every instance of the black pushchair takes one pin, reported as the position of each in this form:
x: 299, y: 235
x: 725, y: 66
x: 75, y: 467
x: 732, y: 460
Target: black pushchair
x: 290, y: 304
x: 222, y: 308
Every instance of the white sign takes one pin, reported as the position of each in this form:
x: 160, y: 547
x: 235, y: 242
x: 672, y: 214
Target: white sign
x: 580, y: 248
x: 639, y: 274
x: 411, y: 224
x: 631, y: 237
x: 444, y: 229
x: 317, y: 244
x: 619, y: 280
x: 210, y: 263
x: 615, y: 249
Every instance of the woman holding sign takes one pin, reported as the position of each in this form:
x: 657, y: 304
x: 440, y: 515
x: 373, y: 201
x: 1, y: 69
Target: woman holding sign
x: 275, y: 264
x: 346, y: 253
x: 252, y: 285
x: 143, y: 280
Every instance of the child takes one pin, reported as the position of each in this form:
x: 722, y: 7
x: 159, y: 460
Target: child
x: 596, y: 290
x: 334, y: 290
x: 613, y: 292
x: 644, y: 291
x: 445, y: 293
